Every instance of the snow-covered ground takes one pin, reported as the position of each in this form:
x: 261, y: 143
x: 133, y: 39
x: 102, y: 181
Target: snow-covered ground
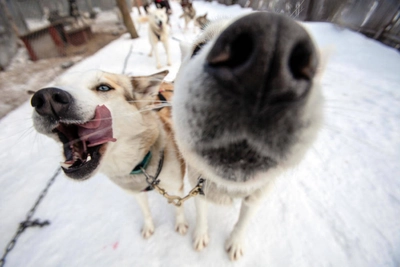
x: 340, y: 207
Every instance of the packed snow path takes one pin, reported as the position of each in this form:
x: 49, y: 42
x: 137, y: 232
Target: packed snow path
x: 339, y: 207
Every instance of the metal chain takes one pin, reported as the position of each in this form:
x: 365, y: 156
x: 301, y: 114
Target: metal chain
x: 172, y: 199
x: 28, y: 222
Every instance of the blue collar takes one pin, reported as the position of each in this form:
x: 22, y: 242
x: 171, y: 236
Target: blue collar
x: 142, y: 165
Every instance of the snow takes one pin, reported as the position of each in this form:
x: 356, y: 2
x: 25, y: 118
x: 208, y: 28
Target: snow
x: 37, y: 24
x: 339, y: 207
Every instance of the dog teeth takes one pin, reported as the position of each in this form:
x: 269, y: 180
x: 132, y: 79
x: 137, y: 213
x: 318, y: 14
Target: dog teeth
x: 88, y: 158
x: 65, y: 165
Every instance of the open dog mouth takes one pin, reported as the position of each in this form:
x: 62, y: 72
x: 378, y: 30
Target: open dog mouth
x: 82, y: 143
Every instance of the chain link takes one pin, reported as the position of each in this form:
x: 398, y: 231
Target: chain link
x: 28, y: 222
x: 178, y: 201
x: 172, y: 199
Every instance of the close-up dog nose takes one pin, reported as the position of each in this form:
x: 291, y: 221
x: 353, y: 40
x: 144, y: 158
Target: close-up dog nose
x: 263, y: 51
x: 51, y: 102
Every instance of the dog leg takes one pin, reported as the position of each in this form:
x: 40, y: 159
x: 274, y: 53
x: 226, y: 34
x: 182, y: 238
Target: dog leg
x: 235, y: 243
x: 200, y: 235
x: 181, y: 225
x: 148, y: 226
x: 155, y: 49
x: 186, y: 24
x: 166, y: 46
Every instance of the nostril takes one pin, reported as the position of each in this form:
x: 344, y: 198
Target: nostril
x: 60, y: 97
x: 37, y: 101
x: 233, y: 53
x: 302, y: 63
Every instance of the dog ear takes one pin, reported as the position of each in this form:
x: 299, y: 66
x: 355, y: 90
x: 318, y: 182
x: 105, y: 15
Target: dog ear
x: 205, y: 16
x: 147, y: 87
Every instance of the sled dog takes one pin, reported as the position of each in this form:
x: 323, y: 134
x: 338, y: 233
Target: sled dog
x: 159, y: 32
x: 202, y: 21
x: 108, y: 123
x: 189, y: 14
x: 247, y: 106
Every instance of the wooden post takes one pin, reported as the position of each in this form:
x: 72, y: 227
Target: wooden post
x: 10, y: 19
x: 123, y: 7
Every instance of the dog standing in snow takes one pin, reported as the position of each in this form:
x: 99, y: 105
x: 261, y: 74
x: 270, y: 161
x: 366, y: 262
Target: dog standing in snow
x: 247, y: 106
x: 159, y: 32
x: 109, y: 123
x: 189, y: 13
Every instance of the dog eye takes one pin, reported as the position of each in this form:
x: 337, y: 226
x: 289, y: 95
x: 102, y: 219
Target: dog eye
x: 198, y: 48
x: 103, y: 88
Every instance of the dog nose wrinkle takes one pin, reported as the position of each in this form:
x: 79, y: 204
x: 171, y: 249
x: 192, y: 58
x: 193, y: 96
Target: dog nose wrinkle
x: 51, y: 102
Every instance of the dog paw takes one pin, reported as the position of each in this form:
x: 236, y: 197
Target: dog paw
x: 158, y: 66
x: 181, y: 228
x: 234, y: 248
x: 147, y: 231
x: 169, y: 63
x: 200, y: 241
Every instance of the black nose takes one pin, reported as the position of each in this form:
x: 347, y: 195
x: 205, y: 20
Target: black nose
x: 51, y: 102
x: 267, y: 55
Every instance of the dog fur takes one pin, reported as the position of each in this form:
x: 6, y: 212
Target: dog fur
x: 202, y: 21
x: 136, y: 126
x: 224, y: 130
x: 159, y: 32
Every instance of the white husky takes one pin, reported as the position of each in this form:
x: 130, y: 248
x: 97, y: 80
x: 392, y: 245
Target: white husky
x: 247, y: 106
x: 159, y: 32
x: 106, y: 122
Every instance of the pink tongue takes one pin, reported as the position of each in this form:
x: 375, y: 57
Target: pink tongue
x: 98, y: 130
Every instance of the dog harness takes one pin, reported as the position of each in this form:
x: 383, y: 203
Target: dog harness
x: 143, y: 164
x: 141, y: 168
x: 153, y: 181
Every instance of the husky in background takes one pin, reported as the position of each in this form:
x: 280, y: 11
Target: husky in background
x: 159, y: 32
x: 247, y: 107
x: 202, y: 21
x: 189, y: 13
x: 163, y: 4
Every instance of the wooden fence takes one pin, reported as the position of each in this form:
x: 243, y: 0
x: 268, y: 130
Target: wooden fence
x: 378, y: 19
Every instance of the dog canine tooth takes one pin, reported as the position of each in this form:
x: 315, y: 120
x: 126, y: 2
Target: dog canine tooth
x: 65, y: 165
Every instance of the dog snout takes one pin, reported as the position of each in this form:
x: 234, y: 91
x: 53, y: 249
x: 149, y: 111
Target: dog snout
x: 264, y: 54
x: 52, y: 102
